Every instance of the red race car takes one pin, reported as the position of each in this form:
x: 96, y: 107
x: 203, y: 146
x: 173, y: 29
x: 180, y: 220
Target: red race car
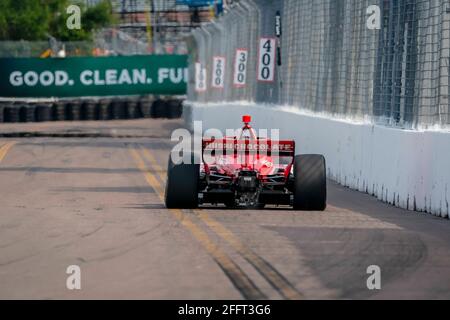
x: 250, y: 172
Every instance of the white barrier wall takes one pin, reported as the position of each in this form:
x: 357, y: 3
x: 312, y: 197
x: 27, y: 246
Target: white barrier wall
x: 409, y: 169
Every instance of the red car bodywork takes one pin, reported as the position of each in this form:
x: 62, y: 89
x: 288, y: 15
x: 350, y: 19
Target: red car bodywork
x: 226, y: 160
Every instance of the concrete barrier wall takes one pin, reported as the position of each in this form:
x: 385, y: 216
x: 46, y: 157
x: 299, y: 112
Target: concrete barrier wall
x: 406, y: 168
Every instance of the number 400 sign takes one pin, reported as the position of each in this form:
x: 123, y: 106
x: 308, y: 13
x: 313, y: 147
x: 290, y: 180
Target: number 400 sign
x: 266, y: 59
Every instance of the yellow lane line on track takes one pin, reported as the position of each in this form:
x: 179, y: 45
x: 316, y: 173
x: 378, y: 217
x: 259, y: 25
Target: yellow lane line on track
x: 272, y: 276
x: 5, y: 148
x: 269, y: 273
x: 241, y: 281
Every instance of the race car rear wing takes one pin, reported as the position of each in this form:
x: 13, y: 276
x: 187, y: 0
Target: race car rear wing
x: 248, y: 145
x: 230, y: 146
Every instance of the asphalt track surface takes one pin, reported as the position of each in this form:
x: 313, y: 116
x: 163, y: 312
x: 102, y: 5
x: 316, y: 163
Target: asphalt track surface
x: 90, y: 194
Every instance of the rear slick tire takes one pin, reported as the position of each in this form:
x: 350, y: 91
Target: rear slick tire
x: 182, y: 185
x: 310, y: 183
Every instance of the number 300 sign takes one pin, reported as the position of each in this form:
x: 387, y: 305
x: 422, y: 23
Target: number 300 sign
x: 240, y: 68
x: 266, y: 59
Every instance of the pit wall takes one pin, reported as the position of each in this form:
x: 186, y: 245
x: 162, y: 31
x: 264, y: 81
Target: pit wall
x: 406, y: 168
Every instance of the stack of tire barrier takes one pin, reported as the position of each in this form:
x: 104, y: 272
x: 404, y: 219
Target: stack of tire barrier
x: 92, y: 109
x: 43, y: 112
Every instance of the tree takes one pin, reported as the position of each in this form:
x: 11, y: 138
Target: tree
x: 3, y: 22
x: 36, y: 19
x: 25, y: 19
x: 93, y: 18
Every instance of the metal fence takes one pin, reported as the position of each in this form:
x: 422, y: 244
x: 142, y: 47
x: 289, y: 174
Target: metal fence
x: 331, y: 61
x: 106, y: 42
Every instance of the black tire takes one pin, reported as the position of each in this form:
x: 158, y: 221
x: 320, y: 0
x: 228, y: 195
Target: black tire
x: 26, y: 113
x: 11, y: 113
x: 22, y: 113
x: 230, y: 204
x: 59, y: 111
x: 88, y: 110
x: 260, y: 206
x: 182, y: 185
x: 43, y: 113
x: 73, y: 111
x: 103, y: 110
x: 2, y: 113
x: 174, y: 109
x: 310, y: 183
x: 132, y: 109
x: 68, y: 116
x: 159, y: 109
x: 118, y: 107
x: 145, y: 107
x: 53, y: 111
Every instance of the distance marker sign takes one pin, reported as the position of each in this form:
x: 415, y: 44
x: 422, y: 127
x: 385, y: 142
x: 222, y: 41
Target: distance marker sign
x: 240, y: 68
x: 218, y: 73
x: 266, y: 59
x: 93, y: 76
x: 200, y: 77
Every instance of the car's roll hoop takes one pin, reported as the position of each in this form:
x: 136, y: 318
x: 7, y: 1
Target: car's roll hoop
x: 246, y: 119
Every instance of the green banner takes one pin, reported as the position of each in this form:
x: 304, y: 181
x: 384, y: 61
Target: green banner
x: 89, y: 76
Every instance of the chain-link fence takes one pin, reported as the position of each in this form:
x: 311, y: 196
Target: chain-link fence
x: 106, y: 42
x: 330, y: 58
x: 36, y: 49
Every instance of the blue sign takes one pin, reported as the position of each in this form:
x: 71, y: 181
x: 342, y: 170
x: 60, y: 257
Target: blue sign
x: 199, y: 3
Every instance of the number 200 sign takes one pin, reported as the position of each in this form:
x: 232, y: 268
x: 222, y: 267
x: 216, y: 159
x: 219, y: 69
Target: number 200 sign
x: 266, y: 59
x: 218, y: 76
